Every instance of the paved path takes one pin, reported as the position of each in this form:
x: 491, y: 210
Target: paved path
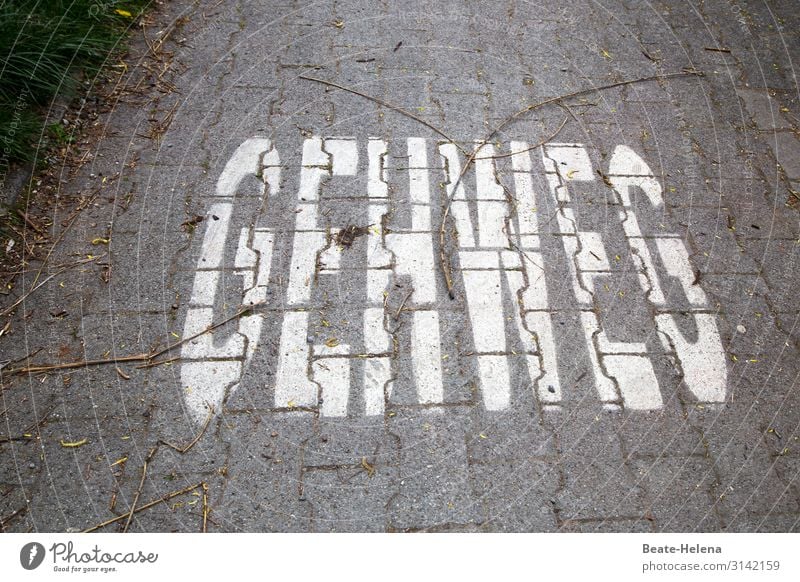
x: 620, y: 352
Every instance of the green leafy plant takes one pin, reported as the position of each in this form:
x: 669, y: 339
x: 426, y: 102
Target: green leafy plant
x: 45, y: 46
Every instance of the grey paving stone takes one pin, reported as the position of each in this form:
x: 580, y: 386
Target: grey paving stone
x: 617, y: 525
x: 349, y: 441
x: 266, y: 475
x: 494, y: 437
x: 681, y: 493
x: 74, y: 487
x: 748, y: 483
x: 598, y: 484
x: 516, y: 495
x: 13, y: 508
x: 434, y: 486
x: 768, y: 523
x: 644, y: 435
x: 349, y: 499
x: 184, y: 513
x: 764, y: 109
x: 786, y: 146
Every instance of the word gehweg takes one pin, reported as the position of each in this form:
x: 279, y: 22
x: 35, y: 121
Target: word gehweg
x: 493, y: 252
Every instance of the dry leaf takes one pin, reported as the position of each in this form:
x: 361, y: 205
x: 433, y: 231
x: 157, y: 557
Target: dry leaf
x: 75, y: 444
x: 370, y: 469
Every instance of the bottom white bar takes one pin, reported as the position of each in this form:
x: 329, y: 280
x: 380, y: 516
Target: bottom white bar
x: 411, y: 557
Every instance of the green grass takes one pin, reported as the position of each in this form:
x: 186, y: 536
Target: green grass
x: 46, y: 47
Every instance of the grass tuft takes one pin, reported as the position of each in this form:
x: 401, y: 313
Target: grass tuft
x: 45, y: 47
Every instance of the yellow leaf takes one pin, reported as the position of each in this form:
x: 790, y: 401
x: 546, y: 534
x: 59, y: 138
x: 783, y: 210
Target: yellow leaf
x: 571, y: 173
x: 118, y: 461
x: 99, y: 241
x: 75, y: 444
x: 124, y: 13
x: 291, y: 404
x: 368, y: 467
x: 605, y: 53
x: 332, y: 342
x: 483, y: 436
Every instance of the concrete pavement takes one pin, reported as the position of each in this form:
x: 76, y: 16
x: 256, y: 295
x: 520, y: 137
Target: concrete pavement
x: 620, y: 349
